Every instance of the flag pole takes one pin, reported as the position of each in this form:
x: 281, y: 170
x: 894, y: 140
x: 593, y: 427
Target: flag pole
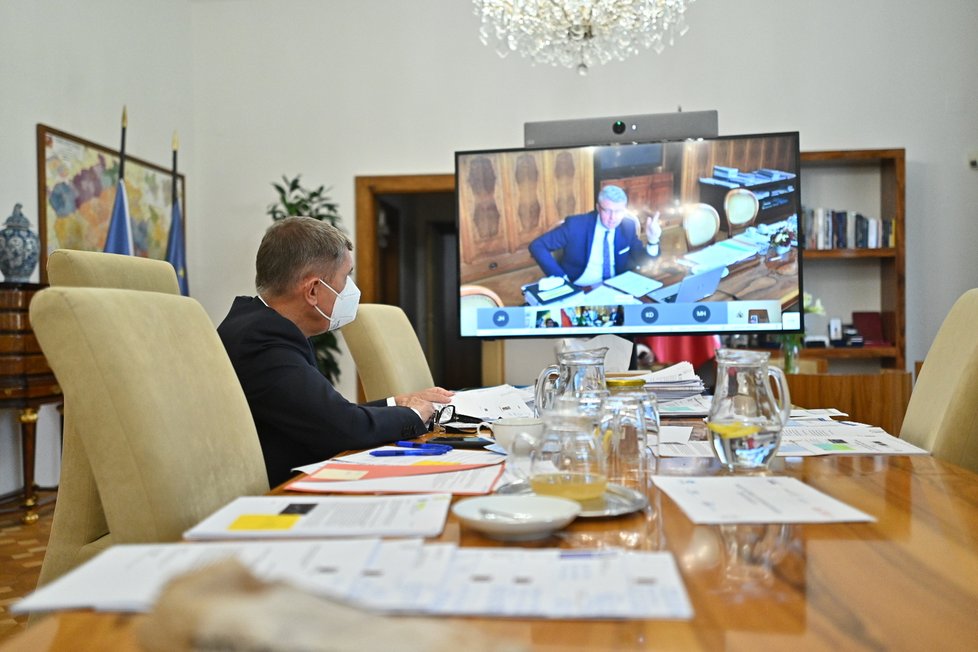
x: 122, y: 148
x: 176, y: 146
x: 176, y: 252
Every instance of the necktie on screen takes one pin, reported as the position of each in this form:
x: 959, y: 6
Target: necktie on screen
x: 606, y: 268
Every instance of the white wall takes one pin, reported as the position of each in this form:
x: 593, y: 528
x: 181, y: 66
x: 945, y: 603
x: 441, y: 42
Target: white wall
x: 72, y: 66
x: 350, y: 87
x: 343, y: 88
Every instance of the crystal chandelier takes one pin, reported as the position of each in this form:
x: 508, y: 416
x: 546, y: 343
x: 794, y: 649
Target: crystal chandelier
x: 580, y: 33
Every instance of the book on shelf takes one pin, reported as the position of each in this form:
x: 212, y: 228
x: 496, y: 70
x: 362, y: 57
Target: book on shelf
x: 827, y: 229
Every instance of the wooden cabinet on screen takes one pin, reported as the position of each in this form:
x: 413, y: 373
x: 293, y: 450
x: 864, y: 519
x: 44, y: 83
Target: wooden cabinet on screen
x: 850, y: 279
x: 507, y: 199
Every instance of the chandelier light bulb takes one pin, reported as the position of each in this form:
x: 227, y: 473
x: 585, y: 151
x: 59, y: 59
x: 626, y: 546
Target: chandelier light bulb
x: 579, y: 33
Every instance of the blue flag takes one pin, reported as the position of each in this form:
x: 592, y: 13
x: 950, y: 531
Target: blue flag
x: 119, y: 238
x: 176, y: 254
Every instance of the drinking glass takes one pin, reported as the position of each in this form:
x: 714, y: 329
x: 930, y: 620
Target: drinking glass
x: 566, y: 460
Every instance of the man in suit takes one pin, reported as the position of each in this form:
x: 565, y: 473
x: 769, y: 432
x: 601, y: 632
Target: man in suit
x: 599, y: 244
x: 304, y: 289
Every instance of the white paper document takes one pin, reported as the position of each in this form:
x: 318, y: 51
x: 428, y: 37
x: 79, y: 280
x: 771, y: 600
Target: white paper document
x: 633, y: 283
x: 753, y: 499
x: 277, y: 517
x: 692, y: 406
x: 395, y: 576
x: 491, y: 403
x: 674, y: 434
x: 130, y: 577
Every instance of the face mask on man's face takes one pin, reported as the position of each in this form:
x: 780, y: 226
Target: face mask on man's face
x: 345, y: 306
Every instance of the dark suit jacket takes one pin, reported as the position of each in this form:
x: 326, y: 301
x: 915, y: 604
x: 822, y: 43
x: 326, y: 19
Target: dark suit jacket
x: 575, y: 235
x: 300, y: 416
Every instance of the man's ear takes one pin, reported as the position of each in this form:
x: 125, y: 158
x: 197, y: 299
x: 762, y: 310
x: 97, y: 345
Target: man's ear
x: 310, y: 289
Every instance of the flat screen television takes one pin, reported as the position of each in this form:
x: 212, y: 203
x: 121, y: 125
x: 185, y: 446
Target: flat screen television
x: 537, y: 258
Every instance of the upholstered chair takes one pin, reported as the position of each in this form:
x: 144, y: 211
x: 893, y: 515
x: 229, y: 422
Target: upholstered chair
x: 941, y: 415
x: 387, y: 353
x: 156, y: 408
x: 701, y: 222
x: 79, y: 530
x: 741, y: 207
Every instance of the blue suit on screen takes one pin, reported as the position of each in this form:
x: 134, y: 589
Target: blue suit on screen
x: 575, y: 235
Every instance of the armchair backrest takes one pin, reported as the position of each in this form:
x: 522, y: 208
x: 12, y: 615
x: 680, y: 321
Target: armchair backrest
x: 386, y: 350
x: 94, y: 269
x: 941, y: 415
x: 155, y: 403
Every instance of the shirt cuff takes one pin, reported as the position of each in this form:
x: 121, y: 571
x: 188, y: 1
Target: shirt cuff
x: 391, y: 402
x: 652, y: 248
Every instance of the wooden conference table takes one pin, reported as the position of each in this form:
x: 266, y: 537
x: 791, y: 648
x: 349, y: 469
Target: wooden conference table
x: 907, y: 581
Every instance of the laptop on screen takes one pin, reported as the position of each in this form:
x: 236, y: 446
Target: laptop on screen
x: 691, y: 289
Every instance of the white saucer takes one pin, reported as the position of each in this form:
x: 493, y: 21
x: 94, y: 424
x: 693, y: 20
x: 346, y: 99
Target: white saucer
x: 516, y: 518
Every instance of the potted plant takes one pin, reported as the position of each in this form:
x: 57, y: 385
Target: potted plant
x: 296, y: 200
x: 781, y: 240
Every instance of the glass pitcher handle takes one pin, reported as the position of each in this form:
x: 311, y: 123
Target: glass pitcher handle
x: 784, y: 397
x: 542, y: 397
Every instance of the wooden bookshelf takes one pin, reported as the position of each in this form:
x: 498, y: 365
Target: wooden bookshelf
x: 870, y: 168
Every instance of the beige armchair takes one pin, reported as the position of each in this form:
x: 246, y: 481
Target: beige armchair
x: 701, y: 222
x: 79, y: 530
x: 155, y: 404
x: 741, y: 207
x: 386, y: 350
x: 941, y: 415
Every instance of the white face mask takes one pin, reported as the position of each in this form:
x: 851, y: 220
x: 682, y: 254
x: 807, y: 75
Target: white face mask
x: 345, y: 306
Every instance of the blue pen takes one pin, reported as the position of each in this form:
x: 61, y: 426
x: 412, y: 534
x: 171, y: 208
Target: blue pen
x: 407, y: 451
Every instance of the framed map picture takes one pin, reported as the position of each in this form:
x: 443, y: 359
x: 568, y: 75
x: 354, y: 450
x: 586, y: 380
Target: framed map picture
x: 76, y: 184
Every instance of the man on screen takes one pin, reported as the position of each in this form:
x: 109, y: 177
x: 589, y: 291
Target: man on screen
x: 599, y: 244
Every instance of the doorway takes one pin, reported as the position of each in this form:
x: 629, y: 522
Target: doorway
x: 407, y: 255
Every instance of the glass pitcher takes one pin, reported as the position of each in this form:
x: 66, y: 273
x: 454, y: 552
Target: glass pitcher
x: 746, y: 419
x: 565, y: 460
x: 577, y: 371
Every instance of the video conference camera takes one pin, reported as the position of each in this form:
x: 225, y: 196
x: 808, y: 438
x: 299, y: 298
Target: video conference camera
x: 646, y: 128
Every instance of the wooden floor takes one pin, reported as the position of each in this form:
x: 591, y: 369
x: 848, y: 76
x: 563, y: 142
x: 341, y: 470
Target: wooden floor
x: 21, y: 551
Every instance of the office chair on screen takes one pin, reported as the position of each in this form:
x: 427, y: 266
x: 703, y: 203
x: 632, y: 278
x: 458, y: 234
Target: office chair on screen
x: 156, y: 406
x: 941, y: 415
x: 741, y: 207
x: 701, y: 223
x: 386, y: 350
x: 471, y: 298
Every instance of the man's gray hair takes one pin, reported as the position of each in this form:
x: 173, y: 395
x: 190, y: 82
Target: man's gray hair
x: 613, y: 194
x: 295, y: 247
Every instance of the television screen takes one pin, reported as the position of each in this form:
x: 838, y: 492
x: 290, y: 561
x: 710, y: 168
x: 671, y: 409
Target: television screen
x: 692, y: 236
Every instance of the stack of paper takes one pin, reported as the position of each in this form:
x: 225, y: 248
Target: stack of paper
x: 395, y: 576
x: 675, y: 382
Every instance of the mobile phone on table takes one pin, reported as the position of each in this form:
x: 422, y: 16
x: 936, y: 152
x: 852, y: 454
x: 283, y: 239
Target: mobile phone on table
x: 461, y: 442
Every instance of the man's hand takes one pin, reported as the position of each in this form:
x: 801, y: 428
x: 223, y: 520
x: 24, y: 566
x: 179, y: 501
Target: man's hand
x: 432, y: 395
x: 425, y: 409
x: 653, y: 230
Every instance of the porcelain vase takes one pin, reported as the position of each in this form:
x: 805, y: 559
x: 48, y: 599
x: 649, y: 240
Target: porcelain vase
x: 19, y: 248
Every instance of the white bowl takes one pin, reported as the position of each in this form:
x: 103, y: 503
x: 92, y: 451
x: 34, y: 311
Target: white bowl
x: 516, y: 518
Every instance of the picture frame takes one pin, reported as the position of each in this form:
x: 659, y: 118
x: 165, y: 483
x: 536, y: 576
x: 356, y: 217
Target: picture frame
x: 76, y: 186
